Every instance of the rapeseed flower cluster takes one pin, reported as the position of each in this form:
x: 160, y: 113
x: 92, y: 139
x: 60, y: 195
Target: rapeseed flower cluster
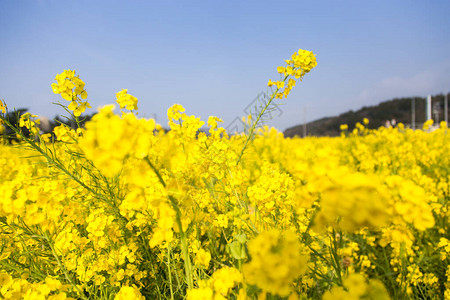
x: 30, y: 122
x: 301, y: 62
x: 126, y: 100
x: 2, y: 111
x: 356, y: 287
x: 109, y: 139
x: 71, y: 88
x: 352, y: 201
x: 122, y: 209
x: 2, y: 107
x: 276, y: 261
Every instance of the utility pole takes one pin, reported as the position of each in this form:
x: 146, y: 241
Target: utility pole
x: 446, y: 108
x: 428, y: 109
x: 436, y: 110
x: 413, y: 113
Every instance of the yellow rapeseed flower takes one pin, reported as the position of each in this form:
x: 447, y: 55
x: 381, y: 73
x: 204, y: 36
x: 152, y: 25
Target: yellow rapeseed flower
x: 126, y: 100
x: 277, y: 260
x: 71, y: 88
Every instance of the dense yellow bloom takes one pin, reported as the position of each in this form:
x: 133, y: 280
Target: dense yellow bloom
x: 109, y: 139
x: 5, y: 280
x: 348, y: 182
x: 122, y: 208
x: 126, y: 100
x: 356, y: 199
x: 428, y: 124
x: 2, y: 107
x: 409, y: 202
x: 202, y: 258
x: 224, y: 279
x: 444, y: 244
x: 277, y: 260
x: 304, y: 60
x: 71, y: 88
x: 205, y: 293
x: 300, y: 63
x: 128, y: 293
x: 358, y: 288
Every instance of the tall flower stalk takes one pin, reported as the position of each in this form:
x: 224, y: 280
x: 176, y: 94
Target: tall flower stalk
x: 301, y: 62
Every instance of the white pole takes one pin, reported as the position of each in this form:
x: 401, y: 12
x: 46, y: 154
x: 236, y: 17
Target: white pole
x: 446, y: 108
x: 428, y: 110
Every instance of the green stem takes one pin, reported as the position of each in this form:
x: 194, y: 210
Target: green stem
x: 185, y: 249
x: 335, y: 261
x: 61, y: 167
x: 61, y: 266
x: 170, y: 273
x: 183, y: 236
x: 252, y: 129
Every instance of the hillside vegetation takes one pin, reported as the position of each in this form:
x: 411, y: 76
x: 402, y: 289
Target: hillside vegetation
x: 396, y: 109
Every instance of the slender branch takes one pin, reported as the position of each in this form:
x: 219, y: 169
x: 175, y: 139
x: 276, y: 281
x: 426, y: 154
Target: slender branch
x: 62, y: 267
x: 253, y: 127
x: 183, y: 235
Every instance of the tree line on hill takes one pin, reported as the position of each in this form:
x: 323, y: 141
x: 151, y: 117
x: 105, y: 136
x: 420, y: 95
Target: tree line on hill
x: 398, y: 110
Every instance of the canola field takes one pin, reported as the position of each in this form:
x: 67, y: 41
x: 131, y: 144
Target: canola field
x: 122, y: 209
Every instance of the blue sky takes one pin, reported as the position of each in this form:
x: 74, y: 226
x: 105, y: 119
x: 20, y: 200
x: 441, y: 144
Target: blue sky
x: 214, y: 57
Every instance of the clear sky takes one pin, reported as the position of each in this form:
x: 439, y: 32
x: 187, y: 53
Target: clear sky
x: 214, y: 57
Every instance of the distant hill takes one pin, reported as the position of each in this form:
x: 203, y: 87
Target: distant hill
x: 398, y: 109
